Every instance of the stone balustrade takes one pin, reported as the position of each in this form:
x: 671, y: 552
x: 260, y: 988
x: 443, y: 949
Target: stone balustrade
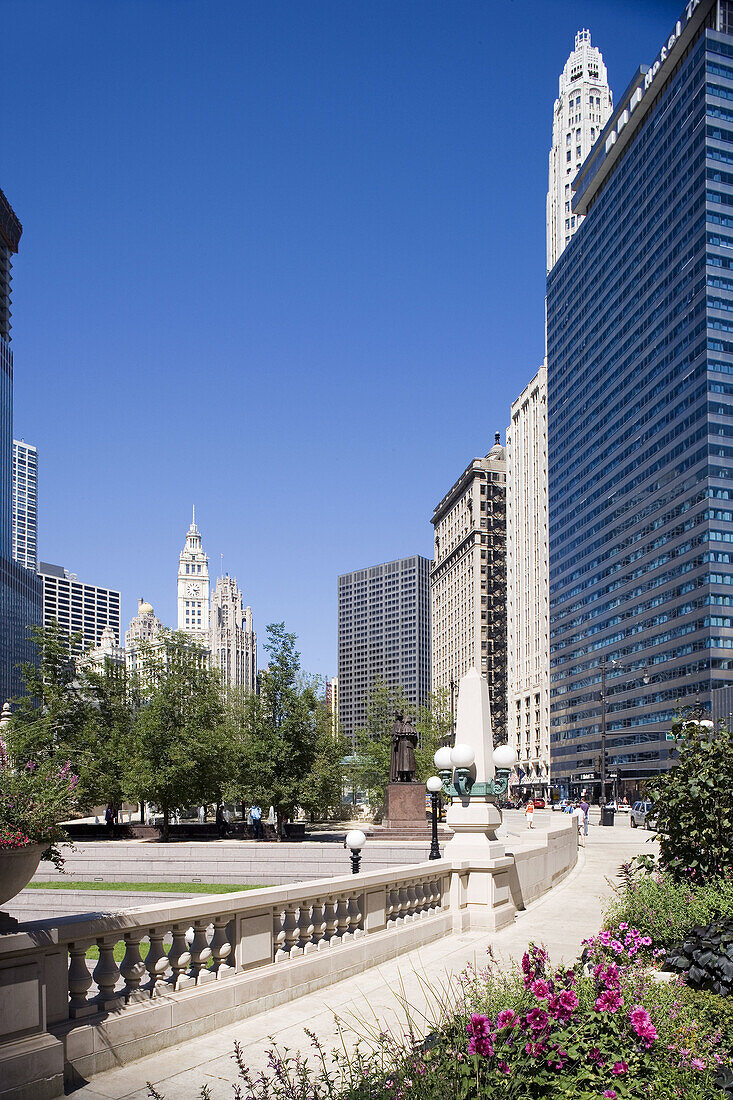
x: 165, y: 972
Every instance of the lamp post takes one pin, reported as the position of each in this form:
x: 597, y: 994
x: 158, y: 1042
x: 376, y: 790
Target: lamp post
x: 355, y: 842
x: 434, y: 786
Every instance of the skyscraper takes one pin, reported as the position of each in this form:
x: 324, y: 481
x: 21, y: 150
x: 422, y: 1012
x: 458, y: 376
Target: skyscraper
x: 20, y: 588
x: 25, y: 504
x: 582, y: 108
x: 383, y: 634
x: 528, y: 702
x: 640, y: 416
x: 78, y: 608
x: 193, y: 588
x: 468, y: 581
x: 233, y: 642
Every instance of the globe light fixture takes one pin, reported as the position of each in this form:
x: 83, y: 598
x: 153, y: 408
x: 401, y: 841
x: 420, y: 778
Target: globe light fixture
x: 442, y: 759
x: 355, y: 842
x: 462, y: 756
x: 434, y: 786
x: 505, y: 757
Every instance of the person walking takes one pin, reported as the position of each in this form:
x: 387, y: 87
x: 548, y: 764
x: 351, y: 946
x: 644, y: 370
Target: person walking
x: 586, y: 810
x: 579, y: 819
x: 255, y: 814
x: 529, y: 813
x: 222, y: 826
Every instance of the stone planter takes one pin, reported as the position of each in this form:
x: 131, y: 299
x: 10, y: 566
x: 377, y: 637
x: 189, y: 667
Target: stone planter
x: 17, y: 868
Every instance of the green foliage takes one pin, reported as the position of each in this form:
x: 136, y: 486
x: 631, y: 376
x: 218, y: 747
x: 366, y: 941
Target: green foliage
x: 705, y: 956
x: 665, y: 909
x: 180, y: 753
x: 286, y: 756
x: 373, y: 742
x: 34, y: 798
x: 694, y: 805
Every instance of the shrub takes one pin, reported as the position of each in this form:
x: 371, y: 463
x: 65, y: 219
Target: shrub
x: 706, y: 957
x: 33, y: 800
x: 664, y: 909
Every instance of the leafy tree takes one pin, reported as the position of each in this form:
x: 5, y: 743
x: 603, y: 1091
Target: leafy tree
x: 180, y: 754
x: 694, y: 804
x: 286, y: 757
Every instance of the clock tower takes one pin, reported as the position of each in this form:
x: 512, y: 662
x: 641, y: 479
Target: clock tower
x: 193, y: 587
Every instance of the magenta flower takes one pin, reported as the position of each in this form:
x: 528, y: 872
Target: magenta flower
x: 623, y: 926
x: 609, y: 1001
x: 697, y: 1063
x: 503, y: 1067
x: 618, y: 1069
x: 610, y: 1094
x: 506, y: 1018
x: 540, y: 989
x: 479, y: 1028
x: 537, y: 1019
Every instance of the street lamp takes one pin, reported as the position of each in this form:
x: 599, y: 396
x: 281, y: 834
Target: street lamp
x: 444, y: 764
x: 434, y: 786
x: 355, y: 842
x: 462, y: 757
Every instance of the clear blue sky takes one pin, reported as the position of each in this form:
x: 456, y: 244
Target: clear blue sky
x: 283, y: 260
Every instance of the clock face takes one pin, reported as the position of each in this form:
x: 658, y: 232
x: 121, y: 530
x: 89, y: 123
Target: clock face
x: 193, y: 589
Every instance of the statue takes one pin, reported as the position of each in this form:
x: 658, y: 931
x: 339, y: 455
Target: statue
x: 404, y: 742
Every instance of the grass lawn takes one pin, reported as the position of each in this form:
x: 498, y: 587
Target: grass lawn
x: 144, y: 887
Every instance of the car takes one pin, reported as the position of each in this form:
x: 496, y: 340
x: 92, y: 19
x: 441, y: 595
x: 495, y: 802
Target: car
x: 539, y: 803
x: 642, y: 814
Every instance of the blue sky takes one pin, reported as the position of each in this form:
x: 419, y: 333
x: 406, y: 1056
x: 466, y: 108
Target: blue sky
x: 283, y: 260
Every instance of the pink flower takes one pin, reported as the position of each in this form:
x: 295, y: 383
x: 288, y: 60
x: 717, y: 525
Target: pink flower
x: 479, y: 1028
x: 697, y: 1063
x: 609, y: 1001
x: 617, y: 947
x: 537, y: 1019
x: 506, y: 1018
x: 540, y: 989
x: 503, y: 1067
x: 618, y: 1069
x: 642, y: 1025
x: 610, y: 1094
x: 623, y: 926
x: 595, y: 1056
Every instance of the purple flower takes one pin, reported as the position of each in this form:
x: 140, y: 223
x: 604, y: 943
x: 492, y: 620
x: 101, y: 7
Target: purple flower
x: 506, y: 1018
x: 609, y: 1001
x: 697, y: 1063
x: 537, y: 1019
x: 479, y: 1028
x: 610, y: 1094
x: 618, y: 1069
x: 540, y: 989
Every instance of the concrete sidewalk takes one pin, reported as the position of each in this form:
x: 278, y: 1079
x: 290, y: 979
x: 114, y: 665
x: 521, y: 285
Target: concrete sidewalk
x: 561, y: 920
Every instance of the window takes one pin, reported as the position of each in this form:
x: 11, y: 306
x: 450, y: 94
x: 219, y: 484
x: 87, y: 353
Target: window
x: 569, y: 155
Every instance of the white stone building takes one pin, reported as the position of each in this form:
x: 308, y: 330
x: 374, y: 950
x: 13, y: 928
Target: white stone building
x: 583, y: 107
x: 468, y: 581
x: 528, y: 702
x: 108, y: 652
x: 25, y: 504
x: 232, y: 640
x: 142, y: 637
x: 193, y: 588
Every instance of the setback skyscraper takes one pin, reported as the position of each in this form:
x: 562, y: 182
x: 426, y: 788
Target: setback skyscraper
x: 582, y: 108
x: 233, y: 642
x: 20, y: 588
x: 383, y: 634
x: 640, y: 416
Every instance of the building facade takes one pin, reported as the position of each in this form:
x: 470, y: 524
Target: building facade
x: 79, y: 608
x: 143, y: 639
x: 582, y: 108
x: 640, y: 416
x: 468, y: 582
x: 25, y: 504
x: 109, y: 653
x: 193, y: 588
x: 528, y: 700
x: 20, y: 588
x: 383, y: 634
x: 232, y: 642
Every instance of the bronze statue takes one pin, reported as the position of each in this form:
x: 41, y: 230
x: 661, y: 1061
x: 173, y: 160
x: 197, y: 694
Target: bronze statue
x: 404, y: 742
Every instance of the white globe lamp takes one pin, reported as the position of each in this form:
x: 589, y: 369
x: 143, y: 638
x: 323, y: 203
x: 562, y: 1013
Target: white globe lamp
x: 442, y: 759
x: 434, y: 784
x: 462, y: 756
x: 505, y: 757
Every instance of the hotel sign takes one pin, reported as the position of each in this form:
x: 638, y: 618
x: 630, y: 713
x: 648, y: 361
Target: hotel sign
x: 639, y: 93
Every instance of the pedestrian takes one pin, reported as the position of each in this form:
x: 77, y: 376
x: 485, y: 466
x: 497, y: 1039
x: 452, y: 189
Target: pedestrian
x: 579, y: 819
x: 529, y: 813
x: 109, y: 819
x: 586, y: 809
x: 221, y: 822
x: 255, y: 814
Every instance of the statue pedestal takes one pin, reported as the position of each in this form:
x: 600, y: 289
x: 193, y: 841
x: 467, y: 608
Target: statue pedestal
x: 405, y: 806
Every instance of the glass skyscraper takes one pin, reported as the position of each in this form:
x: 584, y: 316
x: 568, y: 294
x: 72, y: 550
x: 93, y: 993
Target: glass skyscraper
x: 20, y: 588
x: 640, y: 416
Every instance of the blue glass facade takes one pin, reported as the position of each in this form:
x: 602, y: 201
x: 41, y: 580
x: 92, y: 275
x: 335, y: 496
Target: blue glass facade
x: 640, y: 418
x: 21, y: 590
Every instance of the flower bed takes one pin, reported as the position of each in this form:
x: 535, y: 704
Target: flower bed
x: 33, y: 800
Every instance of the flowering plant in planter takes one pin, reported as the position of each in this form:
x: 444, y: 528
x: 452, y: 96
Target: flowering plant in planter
x: 33, y: 800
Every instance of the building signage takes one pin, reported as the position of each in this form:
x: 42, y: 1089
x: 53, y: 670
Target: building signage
x: 639, y: 93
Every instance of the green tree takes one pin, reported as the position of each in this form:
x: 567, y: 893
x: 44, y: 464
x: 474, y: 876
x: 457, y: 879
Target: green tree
x: 286, y: 757
x: 694, y: 804
x: 181, y: 753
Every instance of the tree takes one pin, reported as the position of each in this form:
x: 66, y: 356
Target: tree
x: 284, y: 758
x: 693, y: 804
x: 180, y: 754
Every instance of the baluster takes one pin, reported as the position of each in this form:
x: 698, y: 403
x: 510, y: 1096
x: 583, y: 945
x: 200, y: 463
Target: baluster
x: 221, y: 948
x: 432, y: 892
x: 157, y: 963
x: 355, y: 915
x: 201, y: 954
x: 80, y: 979
x: 278, y: 932
x: 132, y: 967
x: 423, y: 898
x: 404, y: 905
x: 179, y: 957
x: 331, y: 913
x: 393, y: 906
x: 318, y: 926
x: 412, y: 899
x: 106, y: 972
x: 305, y: 927
x: 342, y: 914
x: 289, y: 945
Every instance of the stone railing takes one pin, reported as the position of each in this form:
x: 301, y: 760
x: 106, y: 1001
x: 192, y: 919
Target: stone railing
x: 83, y: 994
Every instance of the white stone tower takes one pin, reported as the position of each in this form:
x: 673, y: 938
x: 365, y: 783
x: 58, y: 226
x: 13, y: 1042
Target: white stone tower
x: 233, y: 641
x: 193, y: 588
x: 583, y: 107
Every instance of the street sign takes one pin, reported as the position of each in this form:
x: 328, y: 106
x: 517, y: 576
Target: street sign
x: 671, y: 737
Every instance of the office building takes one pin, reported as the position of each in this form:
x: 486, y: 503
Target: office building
x: 143, y: 640
x: 528, y: 700
x: 232, y: 641
x: 25, y: 504
x: 332, y: 702
x: 383, y: 634
x: 582, y: 109
x: 80, y: 608
x: 20, y: 588
x: 468, y: 582
x: 640, y: 416
x: 193, y: 588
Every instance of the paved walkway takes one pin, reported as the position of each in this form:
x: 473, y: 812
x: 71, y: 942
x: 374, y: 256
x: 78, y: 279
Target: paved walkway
x: 560, y: 920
